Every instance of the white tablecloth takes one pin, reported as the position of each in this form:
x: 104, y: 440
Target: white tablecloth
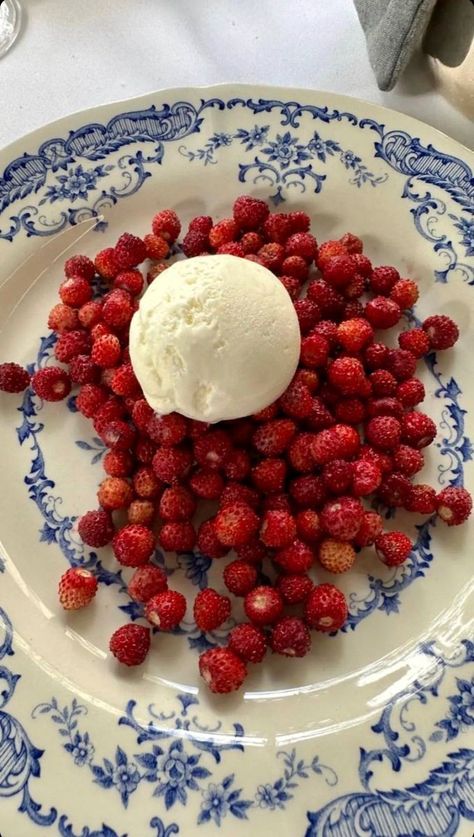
x: 72, y: 54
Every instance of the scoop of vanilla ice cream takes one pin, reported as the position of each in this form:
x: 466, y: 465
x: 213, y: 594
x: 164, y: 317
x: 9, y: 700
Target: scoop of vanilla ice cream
x: 214, y: 338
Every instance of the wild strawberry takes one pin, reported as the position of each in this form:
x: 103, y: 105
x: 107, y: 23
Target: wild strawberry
x: 236, y: 524
x: 240, y: 577
x: 235, y: 492
x: 70, y: 344
x: 297, y: 557
x: 383, y: 279
x: 381, y: 460
x: 272, y: 255
x: 233, y: 248
x: 252, y: 552
x: 145, y: 450
x: 50, y: 383
x: 370, y: 529
x: 172, y: 463
x: 223, y: 232
x: 129, y: 251
x: 307, y: 314
x: 326, y: 608
x: 383, y: 382
x: 166, y: 610
x: 248, y: 642
x: 133, y: 545
x: 308, y: 526
x: 354, y: 334
x: 194, y: 243
x: 277, y: 227
x: 299, y: 456
x: 269, y: 475
x: 141, y: 414
x: 366, y: 478
x: 249, y: 213
x: 177, y: 537
x: 454, y: 505
x: 294, y: 588
x: 342, y: 517
x: 106, y: 351
x: 337, y: 475
x: 352, y: 292
x: 251, y: 242
x: 124, y: 381
x: 415, y: 341
x: 442, y: 331
x: 376, y: 356
x: 90, y: 314
x: 77, y: 588
x: 155, y: 246
x: 411, y: 392
x: 89, y: 399
x: 80, y: 266
x: 278, y: 501
x: 401, y: 363
x: 114, y: 493
x: 207, y: 484
x: 309, y: 378
x: 100, y: 329
x: 222, y: 670
x: 394, y: 490
x: 290, y: 637
x: 131, y: 281
x: 273, y: 437
x: 405, y: 293
x: 62, y: 318
x: 263, y: 605
x: 329, y: 301
x: 167, y: 430
x: 346, y: 374
x: 350, y: 411
x: 320, y: 417
x: 109, y: 410
x: 314, y: 350
x: 299, y: 221
x: 295, y: 266
x: 383, y: 432
x: 155, y: 270
x: 118, y: 435
x: 408, y: 460
x: 146, y: 582
x: 336, y: 556
x: 83, y: 371
x: 338, y: 442
x: 421, y: 499
x: 362, y: 264
x: 176, y: 503
x: 208, y: 543
x: 302, y: 244
x: 237, y: 465
x: 166, y: 224
x: 418, y: 430
x: 328, y: 250
x: 278, y: 528
x: 130, y: 644
x: 382, y: 312
x: 393, y: 548
x: 266, y: 414
x: 327, y: 329
x: 210, y: 609
x: 141, y: 511
x: 339, y: 271
x: 75, y: 291
x: 385, y: 407
x: 352, y: 243
x: 145, y: 483
x: 117, y: 308
x: 106, y: 263
x: 96, y: 528
x: 212, y: 449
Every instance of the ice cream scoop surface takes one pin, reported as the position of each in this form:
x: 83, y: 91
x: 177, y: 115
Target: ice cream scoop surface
x: 214, y: 338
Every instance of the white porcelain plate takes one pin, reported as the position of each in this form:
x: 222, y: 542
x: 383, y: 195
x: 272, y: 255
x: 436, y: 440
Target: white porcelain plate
x: 373, y: 733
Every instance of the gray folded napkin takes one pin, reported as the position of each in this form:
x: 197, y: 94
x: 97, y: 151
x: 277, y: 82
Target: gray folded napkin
x: 393, y: 29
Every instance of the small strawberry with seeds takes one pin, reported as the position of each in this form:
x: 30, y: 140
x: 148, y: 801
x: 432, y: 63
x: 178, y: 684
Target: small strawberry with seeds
x: 326, y: 608
x: 249, y: 213
x: 421, y: 499
x: 393, y: 548
x: 208, y: 543
x: 106, y: 351
x: 106, y: 263
x: 248, y: 642
x: 297, y: 557
x: 370, y: 529
x: 146, y: 582
x: 383, y: 432
x: 206, y: 484
x: 166, y: 610
x: 418, y: 429
x: 114, y: 493
x: 210, y: 609
x: 133, y: 545
x: 130, y: 644
x: 342, y: 517
x: 442, y: 331
x: 273, y: 437
x: 308, y: 526
x: 222, y: 670
x: 129, y: 251
x: 347, y: 375
x: 96, y: 528
x: 269, y: 475
x: 51, y: 383
x: 141, y: 511
x: 80, y: 266
x: 454, y: 505
x: 263, y: 605
x: 236, y: 524
x: 167, y: 224
x: 290, y: 637
x: 62, y: 318
x: 178, y: 536
x: 295, y: 588
x: 336, y: 556
x: 13, y: 378
x: 240, y: 577
x: 278, y: 528
x: 171, y: 463
x: 77, y: 588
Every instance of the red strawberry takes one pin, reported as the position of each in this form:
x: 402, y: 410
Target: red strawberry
x: 130, y: 644
x: 290, y: 637
x: 77, y: 588
x: 222, y: 670
x: 248, y: 642
x: 326, y: 608
x: 210, y: 609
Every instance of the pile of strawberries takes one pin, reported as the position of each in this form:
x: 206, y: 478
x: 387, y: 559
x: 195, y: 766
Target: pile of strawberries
x: 289, y: 482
